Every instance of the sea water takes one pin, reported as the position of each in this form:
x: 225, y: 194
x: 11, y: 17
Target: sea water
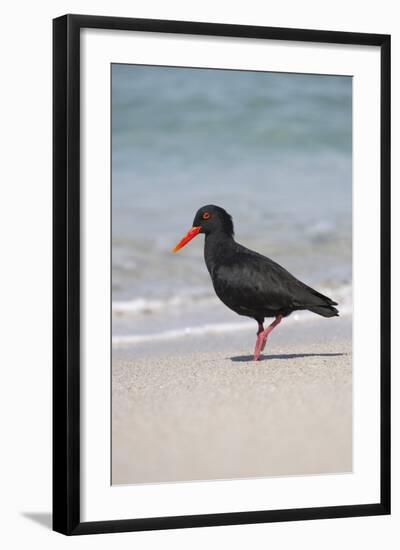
x: 273, y: 149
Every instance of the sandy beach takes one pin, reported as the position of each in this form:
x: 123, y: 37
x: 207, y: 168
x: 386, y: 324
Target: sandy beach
x: 200, y: 408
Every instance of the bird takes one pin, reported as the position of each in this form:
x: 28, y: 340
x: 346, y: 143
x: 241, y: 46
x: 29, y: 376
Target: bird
x: 249, y: 283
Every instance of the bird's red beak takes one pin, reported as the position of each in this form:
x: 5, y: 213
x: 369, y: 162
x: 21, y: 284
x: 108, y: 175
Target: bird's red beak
x: 188, y: 237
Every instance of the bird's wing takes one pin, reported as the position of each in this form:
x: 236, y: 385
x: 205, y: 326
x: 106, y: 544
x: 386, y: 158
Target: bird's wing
x: 252, y: 281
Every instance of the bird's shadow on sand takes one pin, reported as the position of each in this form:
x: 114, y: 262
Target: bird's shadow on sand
x: 247, y: 358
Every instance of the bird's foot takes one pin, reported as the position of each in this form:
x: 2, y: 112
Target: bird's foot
x: 262, y: 340
x: 259, y: 346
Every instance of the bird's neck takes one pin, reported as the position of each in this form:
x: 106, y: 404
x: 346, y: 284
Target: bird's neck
x: 216, y: 245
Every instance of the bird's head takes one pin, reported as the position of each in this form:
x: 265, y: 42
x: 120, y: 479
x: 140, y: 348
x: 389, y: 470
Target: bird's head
x: 208, y: 219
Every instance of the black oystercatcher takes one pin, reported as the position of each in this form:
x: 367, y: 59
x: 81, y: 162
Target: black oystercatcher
x: 247, y: 282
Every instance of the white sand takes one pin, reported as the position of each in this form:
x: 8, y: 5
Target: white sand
x: 216, y: 415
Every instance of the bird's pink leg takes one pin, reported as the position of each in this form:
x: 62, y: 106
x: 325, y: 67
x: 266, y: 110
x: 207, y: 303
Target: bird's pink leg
x: 262, y: 336
x: 259, y: 341
x: 269, y: 329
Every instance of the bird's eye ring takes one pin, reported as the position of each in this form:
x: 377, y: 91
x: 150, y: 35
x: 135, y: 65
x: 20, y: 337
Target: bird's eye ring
x: 206, y: 215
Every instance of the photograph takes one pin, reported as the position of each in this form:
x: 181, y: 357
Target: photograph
x: 231, y: 274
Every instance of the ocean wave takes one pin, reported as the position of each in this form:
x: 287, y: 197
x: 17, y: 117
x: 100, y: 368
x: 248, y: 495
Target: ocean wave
x: 213, y: 328
x: 141, y: 305
x: 151, y: 305
x: 346, y: 309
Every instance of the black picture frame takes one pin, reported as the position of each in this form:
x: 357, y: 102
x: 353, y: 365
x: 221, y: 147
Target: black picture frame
x: 66, y: 273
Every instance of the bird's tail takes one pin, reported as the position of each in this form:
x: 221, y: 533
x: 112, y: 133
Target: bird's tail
x: 322, y: 305
x: 325, y: 310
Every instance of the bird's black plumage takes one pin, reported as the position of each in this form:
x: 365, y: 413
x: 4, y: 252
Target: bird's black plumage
x: 247, y: 282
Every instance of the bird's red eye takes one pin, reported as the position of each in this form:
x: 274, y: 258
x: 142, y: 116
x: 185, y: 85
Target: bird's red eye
x: 206, y: 215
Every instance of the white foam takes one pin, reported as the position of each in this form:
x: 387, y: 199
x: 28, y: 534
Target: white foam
x: 147, y: 305
x: 141, y: 305
x: 215, y: 328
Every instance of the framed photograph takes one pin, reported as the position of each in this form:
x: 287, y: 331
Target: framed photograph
x: 221, y: 274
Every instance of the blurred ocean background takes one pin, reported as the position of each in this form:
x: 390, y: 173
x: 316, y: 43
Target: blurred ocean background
x: 273, y: 149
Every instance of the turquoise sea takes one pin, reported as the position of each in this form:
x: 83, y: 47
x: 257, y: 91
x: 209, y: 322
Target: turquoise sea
x: 273, y: 149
